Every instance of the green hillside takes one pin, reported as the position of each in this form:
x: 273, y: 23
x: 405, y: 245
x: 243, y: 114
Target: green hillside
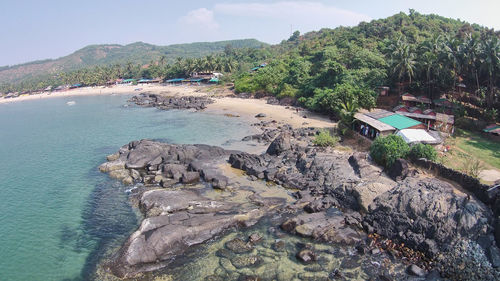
x: 101, y: 55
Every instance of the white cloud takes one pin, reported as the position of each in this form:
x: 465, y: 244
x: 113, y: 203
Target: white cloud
x: 201, y: 17
x: 310, y: 13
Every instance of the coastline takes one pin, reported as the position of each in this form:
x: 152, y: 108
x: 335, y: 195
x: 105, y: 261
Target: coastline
x: 245, y: 109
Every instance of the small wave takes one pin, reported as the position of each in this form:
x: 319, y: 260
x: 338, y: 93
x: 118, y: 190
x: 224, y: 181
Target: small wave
x: 70, y: 103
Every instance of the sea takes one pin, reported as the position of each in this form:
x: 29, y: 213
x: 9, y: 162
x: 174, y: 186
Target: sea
x: 58, y: 214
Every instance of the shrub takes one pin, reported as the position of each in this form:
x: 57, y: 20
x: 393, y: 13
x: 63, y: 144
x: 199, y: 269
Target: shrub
x: 473, y: 167
x: 324, y: 138
x: 386, y: 150
x: 491, y: 114
x: 423, y: 151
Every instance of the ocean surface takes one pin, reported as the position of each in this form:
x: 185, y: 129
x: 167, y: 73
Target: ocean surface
x: 58, y: 214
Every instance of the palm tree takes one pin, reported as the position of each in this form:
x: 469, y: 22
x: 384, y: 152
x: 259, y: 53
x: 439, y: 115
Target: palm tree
x: 162, y: 60
x: 403, y: 59
x: 490, y: 64
x: 450, y: 53
x: 469, y: 52
x: 429, y: 59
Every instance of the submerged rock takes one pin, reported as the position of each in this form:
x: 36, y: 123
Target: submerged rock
x: 239, y: 246
x: 246, y: 261
x: 184, y: 218
x: 325, y: 227
x: 307, y: 256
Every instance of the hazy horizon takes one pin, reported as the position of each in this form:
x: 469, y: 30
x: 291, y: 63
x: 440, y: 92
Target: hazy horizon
x: 40, y: 31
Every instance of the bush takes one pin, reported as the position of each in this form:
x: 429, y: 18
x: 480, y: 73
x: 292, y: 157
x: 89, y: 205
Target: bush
x: 423, y: 151
x: 324, y: 138
x: 473, y: 167
x: 386, y: 150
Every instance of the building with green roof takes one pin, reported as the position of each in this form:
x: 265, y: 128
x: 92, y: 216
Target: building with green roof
x: 401, y: 122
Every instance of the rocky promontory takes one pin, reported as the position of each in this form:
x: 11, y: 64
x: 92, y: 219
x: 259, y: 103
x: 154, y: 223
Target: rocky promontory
x: 339, y: 198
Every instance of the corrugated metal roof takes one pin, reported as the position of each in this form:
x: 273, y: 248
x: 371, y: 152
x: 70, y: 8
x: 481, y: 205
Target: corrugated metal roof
x: 379, y: 113
x: 175, y: 80
x: 416, y: 136
x: 382, y: 127
x: 399, y: 121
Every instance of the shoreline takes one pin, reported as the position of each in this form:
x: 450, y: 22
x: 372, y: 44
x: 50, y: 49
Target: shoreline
x: 246, y: 109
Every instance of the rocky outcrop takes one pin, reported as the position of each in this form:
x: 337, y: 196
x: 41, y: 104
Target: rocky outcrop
x: 428, y: 215
x: 171, y: 102
x: 151, y: 162
x: 338, y: 195
x: 176, y: 220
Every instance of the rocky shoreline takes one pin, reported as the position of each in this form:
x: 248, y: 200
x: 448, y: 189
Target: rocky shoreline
x: 189, y: 195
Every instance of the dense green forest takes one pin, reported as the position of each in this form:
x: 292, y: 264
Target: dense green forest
x: 111, y: 54
x: 337, y: 70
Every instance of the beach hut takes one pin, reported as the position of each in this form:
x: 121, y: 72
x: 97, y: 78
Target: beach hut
x: 128, y: 81
x: 371, y: 127
x: 175, y: 81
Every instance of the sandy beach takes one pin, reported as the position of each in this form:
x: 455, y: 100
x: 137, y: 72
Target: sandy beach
x: 240, y: 108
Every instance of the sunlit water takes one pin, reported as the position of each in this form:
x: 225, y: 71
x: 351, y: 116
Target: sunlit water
x: 57, y: 212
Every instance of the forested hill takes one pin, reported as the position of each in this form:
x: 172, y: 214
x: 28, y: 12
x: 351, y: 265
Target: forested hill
x: 337, y: 70
x: 109, y: 54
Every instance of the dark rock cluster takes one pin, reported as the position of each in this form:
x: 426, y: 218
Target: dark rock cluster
x: 171, y: 102
x: 340, y: 198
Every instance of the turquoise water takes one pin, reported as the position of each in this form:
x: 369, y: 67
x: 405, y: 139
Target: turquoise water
x: 57, y: 212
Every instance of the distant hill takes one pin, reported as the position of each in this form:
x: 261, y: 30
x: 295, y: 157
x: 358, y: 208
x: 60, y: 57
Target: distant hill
x: 137, y: 53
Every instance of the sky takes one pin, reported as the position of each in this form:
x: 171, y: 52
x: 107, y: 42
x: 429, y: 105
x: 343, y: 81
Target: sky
x: 34, y: 30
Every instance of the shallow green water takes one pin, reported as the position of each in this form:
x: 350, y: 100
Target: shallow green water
x: 57, y: 212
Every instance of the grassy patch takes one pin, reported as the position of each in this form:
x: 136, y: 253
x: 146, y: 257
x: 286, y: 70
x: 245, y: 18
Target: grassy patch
x: 478, y: 147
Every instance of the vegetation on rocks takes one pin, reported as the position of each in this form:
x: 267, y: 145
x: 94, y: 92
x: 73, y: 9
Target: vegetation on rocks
x: 324, y: 139
x: 386, y: 150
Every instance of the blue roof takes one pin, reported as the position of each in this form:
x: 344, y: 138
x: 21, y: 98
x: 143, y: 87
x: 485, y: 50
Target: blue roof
x: 196, y: 80
x: 175, y: 80
x: 145, y: 80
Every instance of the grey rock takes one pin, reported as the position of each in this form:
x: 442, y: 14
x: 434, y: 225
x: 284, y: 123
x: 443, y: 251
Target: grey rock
x: 279, y: 145
x: 416, y: 271
x: 306, y: 256
x: 324, y: 227
x: 190, y: 177
x: 426, y: 214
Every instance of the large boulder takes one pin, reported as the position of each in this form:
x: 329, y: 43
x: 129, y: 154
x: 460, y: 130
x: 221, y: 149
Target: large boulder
x: 280, y: 144
x: 366, y: 192
x: 399, y: 170
x: 329, y: 226
x: 427, y: 215
x: 143, y: 153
